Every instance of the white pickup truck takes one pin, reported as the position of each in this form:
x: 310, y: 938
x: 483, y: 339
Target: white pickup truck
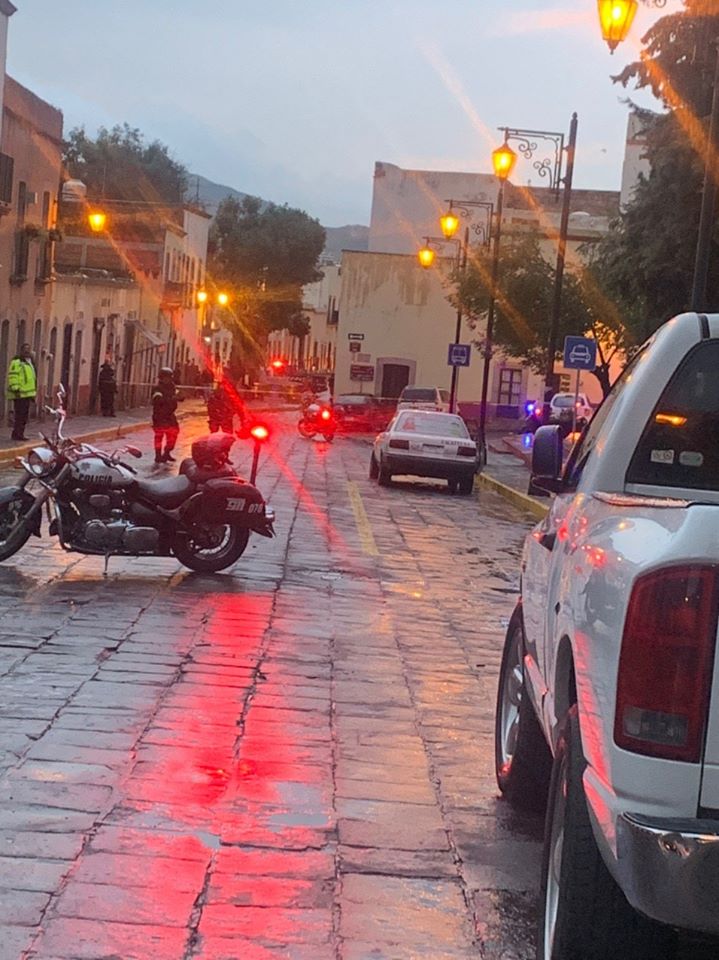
x: 608, y: 700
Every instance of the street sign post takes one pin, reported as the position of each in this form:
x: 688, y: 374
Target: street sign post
x: 362, y: 372
x: 459, y: 354
x: 355, y: 336
x: 580, y: 353
x: 355, y: 346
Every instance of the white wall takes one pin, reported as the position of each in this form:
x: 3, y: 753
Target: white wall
x: 407, y: 204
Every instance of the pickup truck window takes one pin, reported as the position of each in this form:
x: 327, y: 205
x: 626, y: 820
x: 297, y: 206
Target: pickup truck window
x: 680, y: 444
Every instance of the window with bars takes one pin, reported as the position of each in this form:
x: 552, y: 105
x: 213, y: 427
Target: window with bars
x: 510, y: 387
x: 7, y: 165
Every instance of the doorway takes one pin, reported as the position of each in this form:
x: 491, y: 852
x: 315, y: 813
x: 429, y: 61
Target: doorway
x: 395, y: 377
x: 77, y: 360
x: 66, y: 356
x: 98, y: 325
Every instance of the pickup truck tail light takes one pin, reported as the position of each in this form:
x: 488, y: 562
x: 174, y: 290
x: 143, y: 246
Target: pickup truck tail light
x: 399, y: 444
x: 666, y: 662
x: 467, y: 451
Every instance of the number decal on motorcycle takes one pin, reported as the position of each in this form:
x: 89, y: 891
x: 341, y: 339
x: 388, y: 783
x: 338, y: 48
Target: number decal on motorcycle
x: 236, y: 504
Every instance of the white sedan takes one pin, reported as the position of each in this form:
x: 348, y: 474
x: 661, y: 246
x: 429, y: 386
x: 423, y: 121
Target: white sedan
x: 421, y: 443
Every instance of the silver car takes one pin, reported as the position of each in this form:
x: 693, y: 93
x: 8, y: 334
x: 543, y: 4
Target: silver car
x: 423, y: 443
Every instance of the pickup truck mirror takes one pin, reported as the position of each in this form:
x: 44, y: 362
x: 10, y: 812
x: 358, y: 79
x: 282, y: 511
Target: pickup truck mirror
x: 547, y: 456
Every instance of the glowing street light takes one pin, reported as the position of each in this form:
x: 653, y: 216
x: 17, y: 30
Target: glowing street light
x: 97, y: 221
x: 616, y: 18
x: 223, y: 299
x: 202, y: 296
x: 504, y: 160
x: 449, y: 224
x: 426, y: 256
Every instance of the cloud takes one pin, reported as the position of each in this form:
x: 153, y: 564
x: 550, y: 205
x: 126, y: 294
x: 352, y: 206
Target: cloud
x: 541, y: 21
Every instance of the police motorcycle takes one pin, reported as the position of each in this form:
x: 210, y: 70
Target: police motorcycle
x: 96, y: 504
x: 317, y: 418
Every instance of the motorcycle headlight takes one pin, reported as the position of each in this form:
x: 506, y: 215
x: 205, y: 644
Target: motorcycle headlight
x: 41, y: 461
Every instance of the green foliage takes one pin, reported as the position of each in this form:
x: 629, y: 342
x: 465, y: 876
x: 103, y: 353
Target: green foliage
x: 524, y: 304
x: 265, y: 254
x: 120, y: 165
x: 645, y: 265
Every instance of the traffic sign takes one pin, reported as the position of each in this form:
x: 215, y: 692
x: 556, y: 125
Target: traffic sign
x: 355, y: 336
x: 459, y: 354
x: 580, y: 353
x: 362, y: 372
x: 355, y: 346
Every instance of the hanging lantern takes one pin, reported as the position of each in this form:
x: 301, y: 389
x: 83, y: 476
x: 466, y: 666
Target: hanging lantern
x: 616, y: 18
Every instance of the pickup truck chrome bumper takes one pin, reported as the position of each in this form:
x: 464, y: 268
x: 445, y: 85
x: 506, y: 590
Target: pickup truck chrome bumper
x: 669, y: 869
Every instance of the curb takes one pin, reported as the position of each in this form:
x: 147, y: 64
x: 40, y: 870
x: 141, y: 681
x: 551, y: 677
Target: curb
x: 521, y: 500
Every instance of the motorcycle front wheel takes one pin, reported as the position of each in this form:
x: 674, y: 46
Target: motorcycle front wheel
x: 305, y: 429
x: 215, y: 548
x: 13, y: 535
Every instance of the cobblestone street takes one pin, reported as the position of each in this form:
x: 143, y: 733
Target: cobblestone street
x: 293, y: 759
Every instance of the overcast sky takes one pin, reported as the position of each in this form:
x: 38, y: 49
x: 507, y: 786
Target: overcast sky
x: 294, y: 101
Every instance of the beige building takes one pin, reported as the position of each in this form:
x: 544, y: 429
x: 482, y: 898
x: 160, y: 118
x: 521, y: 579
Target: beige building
x: 400, y: 314
x: 128, y: 295
x: 406, y: 323
x: 30, y: 168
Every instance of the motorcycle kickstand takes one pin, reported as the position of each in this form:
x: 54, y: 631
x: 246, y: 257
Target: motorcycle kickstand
x: 107, y: 561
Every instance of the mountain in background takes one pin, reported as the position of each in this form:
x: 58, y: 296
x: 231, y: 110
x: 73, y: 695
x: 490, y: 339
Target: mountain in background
x: 210, y: 194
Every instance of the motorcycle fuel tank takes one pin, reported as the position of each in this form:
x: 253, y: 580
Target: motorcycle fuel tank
x: 94, y: 472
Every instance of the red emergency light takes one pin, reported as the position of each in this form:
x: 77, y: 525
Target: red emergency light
x: 260, y: 432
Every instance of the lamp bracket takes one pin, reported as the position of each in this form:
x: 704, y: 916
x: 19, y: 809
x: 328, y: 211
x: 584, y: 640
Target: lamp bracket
x: 483, y: 231
x: 549, y: 166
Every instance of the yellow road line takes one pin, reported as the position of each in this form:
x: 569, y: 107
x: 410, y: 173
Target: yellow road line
x: 364, y: 528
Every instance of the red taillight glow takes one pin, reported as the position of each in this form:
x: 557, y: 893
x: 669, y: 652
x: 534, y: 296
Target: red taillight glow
x: 326, y: 415
x: 260, y: 432
x: 399, y: 444
x: 665, y: 668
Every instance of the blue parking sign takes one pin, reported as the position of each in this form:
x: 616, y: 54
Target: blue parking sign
x: 459, y: 354
x: 580, y: 353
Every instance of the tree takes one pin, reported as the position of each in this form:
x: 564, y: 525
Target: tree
x: 646, y: 263
x: 120, y: 165
x: 264, y: 254
x: 524, y: 304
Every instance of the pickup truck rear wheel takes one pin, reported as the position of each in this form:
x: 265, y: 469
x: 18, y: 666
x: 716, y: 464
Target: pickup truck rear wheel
x: 583, y: 914
x: 523, y: 762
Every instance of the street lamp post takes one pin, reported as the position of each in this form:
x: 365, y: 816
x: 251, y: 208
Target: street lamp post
x: 450, y: 224
x: 551, y: 169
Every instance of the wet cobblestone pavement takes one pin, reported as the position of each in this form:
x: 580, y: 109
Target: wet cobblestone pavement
x: 293, y: 759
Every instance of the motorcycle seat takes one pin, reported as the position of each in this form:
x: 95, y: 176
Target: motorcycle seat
x: 169, y: 493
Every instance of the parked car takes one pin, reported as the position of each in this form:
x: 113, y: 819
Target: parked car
x: 423, y: 398
x: 608, y: 700
x: 362, y: 412
x: 424, y: 443
x: 561, y: 410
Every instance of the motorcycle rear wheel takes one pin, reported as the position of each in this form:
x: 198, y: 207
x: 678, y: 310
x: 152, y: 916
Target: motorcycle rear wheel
x: 11, y: 539
x: 305, y: 429
x: 203, y: 559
